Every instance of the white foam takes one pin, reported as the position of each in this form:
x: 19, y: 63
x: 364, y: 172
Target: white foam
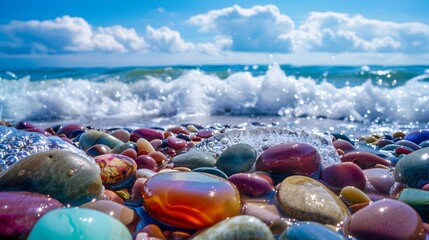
x: 196, y: 92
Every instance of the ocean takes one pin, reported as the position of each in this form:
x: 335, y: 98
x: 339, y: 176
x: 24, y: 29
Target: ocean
x: 357, y: 99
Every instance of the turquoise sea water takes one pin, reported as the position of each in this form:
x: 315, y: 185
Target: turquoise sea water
x: 323, y: 97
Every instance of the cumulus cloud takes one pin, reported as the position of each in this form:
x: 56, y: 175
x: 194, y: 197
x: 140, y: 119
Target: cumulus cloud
x: 264, y: 28
x: 339, y: 32
x: 164, y: 39
x: 255, y: 29
x: 67, y: 34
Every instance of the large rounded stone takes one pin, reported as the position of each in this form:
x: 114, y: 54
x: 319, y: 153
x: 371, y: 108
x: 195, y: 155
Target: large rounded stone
x: 287, y: 159
x: 307, y: 199
x: 417, y: 136
x: 78, y: 223
x: 68, y: 177
x: 413, y: 169
x: 19, y: 212
x: 385, y: 219
x: 190, y: 200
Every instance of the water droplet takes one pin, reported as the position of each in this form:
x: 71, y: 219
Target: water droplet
x: 71, y: 172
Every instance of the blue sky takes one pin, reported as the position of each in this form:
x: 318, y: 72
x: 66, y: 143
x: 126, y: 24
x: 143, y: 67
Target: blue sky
x: 122, y: 33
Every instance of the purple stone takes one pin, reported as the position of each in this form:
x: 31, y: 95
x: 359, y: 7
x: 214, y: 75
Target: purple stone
x: 19, y: 212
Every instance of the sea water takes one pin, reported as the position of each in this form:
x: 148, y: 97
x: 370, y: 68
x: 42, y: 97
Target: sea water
x: 324, y: 97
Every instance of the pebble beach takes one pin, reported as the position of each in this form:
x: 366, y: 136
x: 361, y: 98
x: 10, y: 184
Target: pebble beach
x: 219, y: 181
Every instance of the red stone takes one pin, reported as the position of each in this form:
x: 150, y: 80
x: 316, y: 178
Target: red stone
x: 290, y: 158
x: 146, y: 133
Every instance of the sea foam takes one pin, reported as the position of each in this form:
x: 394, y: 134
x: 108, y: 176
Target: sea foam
x: 197, y: 92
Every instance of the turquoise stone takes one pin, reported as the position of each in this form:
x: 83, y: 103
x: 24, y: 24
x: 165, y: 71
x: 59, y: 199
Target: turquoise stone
x: 309, y: 230
x: 413, y: 169
x: 78, y: 223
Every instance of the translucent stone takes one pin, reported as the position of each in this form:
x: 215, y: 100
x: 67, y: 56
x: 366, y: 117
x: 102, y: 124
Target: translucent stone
x: 190, y: 200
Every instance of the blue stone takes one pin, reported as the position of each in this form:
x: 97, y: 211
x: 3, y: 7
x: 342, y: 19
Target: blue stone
x: 309, y: 230
x: 417, y: 136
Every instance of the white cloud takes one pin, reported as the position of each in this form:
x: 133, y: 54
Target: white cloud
x: 339, y: 32
x: 262, y: 29
x: 67, y: 34
x: 265, y: 29
x: 253, y: 29
x: 164, y: 39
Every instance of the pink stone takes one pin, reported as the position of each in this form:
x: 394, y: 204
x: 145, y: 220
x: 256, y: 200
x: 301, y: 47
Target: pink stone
x: 385, y: 219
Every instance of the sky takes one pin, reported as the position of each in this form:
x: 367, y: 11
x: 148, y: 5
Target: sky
x: 114, y: 33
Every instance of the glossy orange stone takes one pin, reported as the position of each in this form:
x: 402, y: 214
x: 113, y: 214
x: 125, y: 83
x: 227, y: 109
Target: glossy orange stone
x: 190, y: 200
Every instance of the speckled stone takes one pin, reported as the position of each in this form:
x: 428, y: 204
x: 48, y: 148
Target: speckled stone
x: 239, y: 227
x: 307, y: 199
x: 68, y: 177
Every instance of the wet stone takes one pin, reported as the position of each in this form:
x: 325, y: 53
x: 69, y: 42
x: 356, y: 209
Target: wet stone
x: 413, y: 169
x: 19, y: 212
x: 385, y: 219
x: 417, y: 136
x: 343, y: 174
x: 239, y: 227
x: 146, y: 133
x: 194, y: 159
x: 66, y: 176
x: 116, y: 170
x: 309, y: 230
x: 92, y: 137
x: 306, y: 199
x: 287, y: 159
x: 190, y: 200
x: 251, y: 184
x: 364, y: 159
x: 85, y: 223
x: 238, y: 158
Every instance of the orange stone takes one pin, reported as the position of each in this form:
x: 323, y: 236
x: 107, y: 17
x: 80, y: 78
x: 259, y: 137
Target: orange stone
x: 190, y: 200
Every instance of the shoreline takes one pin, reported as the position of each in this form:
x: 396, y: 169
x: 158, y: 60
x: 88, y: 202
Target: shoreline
x: 265, y: 172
